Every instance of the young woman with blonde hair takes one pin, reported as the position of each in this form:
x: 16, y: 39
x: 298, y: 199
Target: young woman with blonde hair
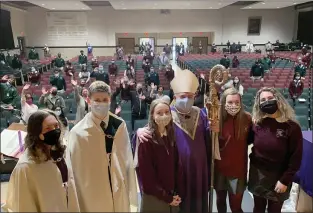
x: 235, y: 135
x: 158, y: 165
x: 277, y: 151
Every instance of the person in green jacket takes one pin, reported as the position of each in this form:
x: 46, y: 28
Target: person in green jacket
x: 257, y: 71
x: 59, y: 62
x: 300, y: 68
x: 225, y: 61
x: 16, y: 62
x: 8, y: 92
x: 8, y: 59
x: 82, y: 59
x: 154, y: 77
x: 58, y: 81
x: 33, y: 55
x: 266, y: 62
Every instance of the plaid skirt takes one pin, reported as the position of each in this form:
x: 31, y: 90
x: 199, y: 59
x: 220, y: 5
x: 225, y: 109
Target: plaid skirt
x: 262, y: 183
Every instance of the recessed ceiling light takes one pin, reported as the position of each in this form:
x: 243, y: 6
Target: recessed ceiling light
x: 211, y: 7
x: 219, y: 3
x: 277, y: 7
x: 263, y: 3
x: 43, y: 4
x: 155, y: 4
x: 295, y: 3
x: 83, y: 8
x: 53, y: 8
x: 124, y: 8
x: 250, y: 7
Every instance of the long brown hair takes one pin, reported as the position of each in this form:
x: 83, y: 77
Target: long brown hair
x: 241, y: 120
x: 154, y: 127
x: 37, y: 150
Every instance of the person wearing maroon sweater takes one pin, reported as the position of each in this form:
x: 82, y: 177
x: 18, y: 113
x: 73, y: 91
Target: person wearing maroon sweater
x: 34, y: 76
x: 69, y: 69
x: 235, y: 136
x: 276, y: 153
x: 296, y: 86
x: 158, y: 166
x: 113, y: 69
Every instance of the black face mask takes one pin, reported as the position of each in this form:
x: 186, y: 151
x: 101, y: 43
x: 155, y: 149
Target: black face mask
x: 269, y: 107
x: 54, y: 92
x: 52, y: 137
x: 140, y: 90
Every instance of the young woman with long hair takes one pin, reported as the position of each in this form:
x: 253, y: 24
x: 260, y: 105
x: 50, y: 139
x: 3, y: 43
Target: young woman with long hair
x: 276, y: 153
x: 42, y: 180
x: 158, y: 165
x: 235, y: 135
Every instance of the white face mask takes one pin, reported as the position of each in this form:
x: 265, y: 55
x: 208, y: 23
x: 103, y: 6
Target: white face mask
x: 236, y: 81
x: 57, y: 112
x: 232, y: 109
x: 163, y: 120
x: 298, y: 77
x: 100, y: 109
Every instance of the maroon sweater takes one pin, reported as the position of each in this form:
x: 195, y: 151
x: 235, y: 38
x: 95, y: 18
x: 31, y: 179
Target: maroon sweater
x: 234, y: 149
x: 295, y: 88
x: 277, y: 148
x: 159, y: 170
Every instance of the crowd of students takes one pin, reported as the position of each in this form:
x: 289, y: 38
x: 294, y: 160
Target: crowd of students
x: 94, y: 171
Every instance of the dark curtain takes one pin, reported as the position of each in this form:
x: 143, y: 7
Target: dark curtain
x: 6, y: 38
x: 305, y: 27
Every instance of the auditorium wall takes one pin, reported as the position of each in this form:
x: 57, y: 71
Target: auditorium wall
x: 18, y: 18
x: 230, y: 23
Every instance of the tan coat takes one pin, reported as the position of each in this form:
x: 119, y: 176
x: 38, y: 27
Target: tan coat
x: 38, y: 187
x: 88, y: 155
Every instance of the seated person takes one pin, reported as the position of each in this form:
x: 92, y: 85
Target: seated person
x: 59, y: 62
x: 94, y: 62
x: 84, y: 74
x: 113, y: 69
x: 129, y: 72
x: 58, y: 81
x: 82, y: 59
x: 2, y: 58
x: 225, y: 61
x: 235, y: 83
x: 69, y: 69
x: 8, y: 92
x: 28, y: 107
x: 153, y: 77
x: 52, y: 100
x: 257, y: 71
x: 296, y: 87
x: 139, y: 101
x: 235, y: 62
x: 148, y: 57
x: 146, y: 65
x: 130, y: 61
x: 169, y: 73
x: 300, y: 68
x: 100, y: 75
x: 34, y: 76
x: 16, y: 62
x: 33, y: 55
x: 266, y: 62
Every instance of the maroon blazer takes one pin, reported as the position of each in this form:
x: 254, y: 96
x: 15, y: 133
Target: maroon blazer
x: 296, y: 88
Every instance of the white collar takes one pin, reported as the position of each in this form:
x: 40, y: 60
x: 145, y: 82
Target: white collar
x: 98, y: 121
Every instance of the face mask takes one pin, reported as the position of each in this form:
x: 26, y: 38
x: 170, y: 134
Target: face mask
x: 236, y: 81
x: 163, y: 120
x: 269, y: 107
x: 298, y: 77
x: 184, y: 105
x: 29, y: 101
x: 51, y: 138
x: 54, y: 92
x: 56, y: 75
x: 232, y: 109
x: 139, y: 90
x: 57, y: 112
x: 100, y: 109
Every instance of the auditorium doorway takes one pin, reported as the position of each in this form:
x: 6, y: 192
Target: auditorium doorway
x: 178, y: 41
x: 147, y: 40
